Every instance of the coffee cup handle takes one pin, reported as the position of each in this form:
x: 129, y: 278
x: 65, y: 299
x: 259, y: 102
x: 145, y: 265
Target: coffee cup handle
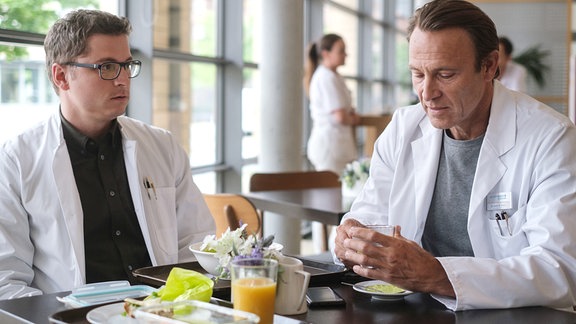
x: 305, y: 283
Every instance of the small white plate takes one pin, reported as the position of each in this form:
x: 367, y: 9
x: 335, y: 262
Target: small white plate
x: 110, y: 314
x: 361, y: 287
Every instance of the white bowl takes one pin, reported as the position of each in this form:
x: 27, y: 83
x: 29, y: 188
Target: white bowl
x: 207, y: 260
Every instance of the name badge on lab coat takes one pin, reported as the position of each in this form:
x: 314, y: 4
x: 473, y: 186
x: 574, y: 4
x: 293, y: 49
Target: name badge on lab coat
x: 499, y: 201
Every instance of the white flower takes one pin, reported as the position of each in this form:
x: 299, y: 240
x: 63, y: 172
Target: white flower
x: 355, y: 171
x: 237, y: 243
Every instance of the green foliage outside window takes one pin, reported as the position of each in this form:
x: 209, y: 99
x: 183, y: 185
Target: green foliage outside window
x: 35, y: 16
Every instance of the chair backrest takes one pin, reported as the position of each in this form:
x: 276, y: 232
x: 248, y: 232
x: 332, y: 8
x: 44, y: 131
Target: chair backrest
x: 294, y: 180
x: 374, y: 126
x: 229, y: 210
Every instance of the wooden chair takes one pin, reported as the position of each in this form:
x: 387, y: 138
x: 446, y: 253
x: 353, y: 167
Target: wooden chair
x: 228, y: 210
x: 295, y: 181
x: 374, y: 126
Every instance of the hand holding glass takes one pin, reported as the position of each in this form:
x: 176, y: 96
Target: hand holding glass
x: 383, y: 229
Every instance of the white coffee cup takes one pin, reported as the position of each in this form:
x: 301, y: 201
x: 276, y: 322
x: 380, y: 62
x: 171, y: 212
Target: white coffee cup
x: 291, y: 287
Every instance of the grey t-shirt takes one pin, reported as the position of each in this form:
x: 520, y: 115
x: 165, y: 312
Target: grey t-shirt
x: 446, y: 233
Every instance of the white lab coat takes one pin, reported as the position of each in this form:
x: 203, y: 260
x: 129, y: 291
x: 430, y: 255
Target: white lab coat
x: 528, y: 150
x: 41, y: 220
x: 331, y: 145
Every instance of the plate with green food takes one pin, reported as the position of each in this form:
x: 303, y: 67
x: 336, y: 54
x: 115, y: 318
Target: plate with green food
x: 381, y: 290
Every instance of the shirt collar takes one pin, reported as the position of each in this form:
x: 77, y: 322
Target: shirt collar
x: 86, y: 143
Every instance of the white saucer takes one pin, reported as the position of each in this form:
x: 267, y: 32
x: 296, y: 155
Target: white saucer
x: 361, y: 287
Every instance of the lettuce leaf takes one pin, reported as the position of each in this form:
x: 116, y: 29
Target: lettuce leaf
x: 183, y: 284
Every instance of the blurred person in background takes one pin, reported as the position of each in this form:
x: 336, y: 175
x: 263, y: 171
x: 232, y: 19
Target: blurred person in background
x: 512, y: 74
x: 332, y: 142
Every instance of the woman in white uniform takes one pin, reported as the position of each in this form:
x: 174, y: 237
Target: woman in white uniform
x: 331, y: 144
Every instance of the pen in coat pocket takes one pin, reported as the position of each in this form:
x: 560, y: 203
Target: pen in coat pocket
x: 503, y: 216
x: 149, y: 185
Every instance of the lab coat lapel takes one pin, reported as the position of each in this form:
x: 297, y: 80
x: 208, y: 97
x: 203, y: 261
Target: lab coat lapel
x: 133, y: 172
x: 498, y: 139
x: 426, y: 153
x: 71, y: 206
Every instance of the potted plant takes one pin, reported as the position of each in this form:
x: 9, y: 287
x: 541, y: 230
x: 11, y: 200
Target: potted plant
x: 532, y: 59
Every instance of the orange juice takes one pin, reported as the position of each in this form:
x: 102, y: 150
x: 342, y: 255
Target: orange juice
x: 255, y: 295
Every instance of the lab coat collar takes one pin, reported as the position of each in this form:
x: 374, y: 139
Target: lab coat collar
x: 133, y: 172
x: 500, y: 137
x: 69, y: 200
x: 426, y: 153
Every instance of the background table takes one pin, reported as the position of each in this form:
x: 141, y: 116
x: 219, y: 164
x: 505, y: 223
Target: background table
x: 320, y: 204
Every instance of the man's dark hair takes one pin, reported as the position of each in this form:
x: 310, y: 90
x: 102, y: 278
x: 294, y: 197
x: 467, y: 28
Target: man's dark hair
x: 444, y: 14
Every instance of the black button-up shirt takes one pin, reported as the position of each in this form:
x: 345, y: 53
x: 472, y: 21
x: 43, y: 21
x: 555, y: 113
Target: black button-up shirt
x: 113, y: 241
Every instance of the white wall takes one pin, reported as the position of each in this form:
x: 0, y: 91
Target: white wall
x: 530, y: 23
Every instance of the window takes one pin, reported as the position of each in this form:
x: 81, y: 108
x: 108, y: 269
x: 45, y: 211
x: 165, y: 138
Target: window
x: 403, y: 89
x: 376, y: 66
x: 251, y: 114
x: 251, y: 30
x: 188, y: 26
x: 26, y: 95
x: 186, y: 83
x: 344, y: 24
x: 352, y: 4
x: 251, y: 82
x: 185, y: 104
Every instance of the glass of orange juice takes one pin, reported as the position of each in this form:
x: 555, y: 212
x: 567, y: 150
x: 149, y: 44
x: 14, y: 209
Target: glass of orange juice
x: 254, y: 287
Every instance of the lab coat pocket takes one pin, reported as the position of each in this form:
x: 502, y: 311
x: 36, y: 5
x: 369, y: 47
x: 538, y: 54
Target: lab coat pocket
x: 507, y: 235
x: 163, y: 220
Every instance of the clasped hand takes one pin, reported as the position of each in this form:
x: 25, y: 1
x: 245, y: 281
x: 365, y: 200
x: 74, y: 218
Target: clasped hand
x: 396, y: 260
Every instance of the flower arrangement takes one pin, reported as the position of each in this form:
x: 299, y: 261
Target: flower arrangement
x: 238, y: 244
x: 354, y: 172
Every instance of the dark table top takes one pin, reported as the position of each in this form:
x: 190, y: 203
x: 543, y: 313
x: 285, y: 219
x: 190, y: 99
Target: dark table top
x: 421, y: 308
x: 359, y: 308
x: 320, y: 204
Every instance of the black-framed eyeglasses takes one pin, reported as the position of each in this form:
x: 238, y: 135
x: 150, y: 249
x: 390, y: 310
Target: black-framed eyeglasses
x: 111, y: 70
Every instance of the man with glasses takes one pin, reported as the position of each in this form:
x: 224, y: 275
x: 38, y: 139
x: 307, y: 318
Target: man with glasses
x: 89, y: 194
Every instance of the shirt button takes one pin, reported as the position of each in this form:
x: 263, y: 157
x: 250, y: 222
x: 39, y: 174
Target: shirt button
x: 118, y: 233
x: 130, y: 267
x: 102, y: 157
x: 112, y: 193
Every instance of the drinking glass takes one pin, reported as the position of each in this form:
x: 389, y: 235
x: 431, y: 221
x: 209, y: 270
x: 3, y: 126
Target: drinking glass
x: 254, y: 287
x: 384, y: 229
